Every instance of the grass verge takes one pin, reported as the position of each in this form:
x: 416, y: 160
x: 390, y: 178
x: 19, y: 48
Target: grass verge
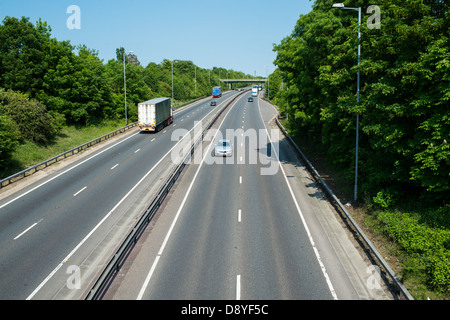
x: 29, y: 153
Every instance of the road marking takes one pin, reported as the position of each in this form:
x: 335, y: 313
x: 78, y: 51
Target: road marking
x: 175, y: 219
x: 153, y: 140
x: 77, y: 193
x: 39, y: 287
x: 240, y: 177
x: 112, y: 168
x: 239, y: 215
x: 57, y: 176
x: 137, y: 150
x: 26, y: 230
x: 238, y: 287
x: 311, y: 240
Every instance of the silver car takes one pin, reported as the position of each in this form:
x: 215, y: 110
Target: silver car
x: 223, y: 148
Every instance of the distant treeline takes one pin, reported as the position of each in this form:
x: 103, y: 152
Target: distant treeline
x: 404, y: 141
x: 46, y: 84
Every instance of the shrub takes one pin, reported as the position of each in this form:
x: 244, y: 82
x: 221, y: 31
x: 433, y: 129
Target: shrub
x: 427, y: 246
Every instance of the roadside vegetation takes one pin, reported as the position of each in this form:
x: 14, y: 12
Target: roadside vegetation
x: 54, y: 95
x: 404, y: 151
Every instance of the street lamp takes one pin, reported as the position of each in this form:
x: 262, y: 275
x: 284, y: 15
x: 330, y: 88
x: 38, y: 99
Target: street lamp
x: 172, y: 80
x: 342, y: 7
x: 125, y: 86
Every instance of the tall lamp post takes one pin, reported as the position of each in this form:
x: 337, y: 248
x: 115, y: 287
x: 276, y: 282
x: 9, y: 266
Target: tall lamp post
x: 342, y: 7
x: 125, y: 86
x: 172, y: 80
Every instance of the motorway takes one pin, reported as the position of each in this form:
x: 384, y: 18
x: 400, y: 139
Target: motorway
x: 253, y: 226
x: 57, y: 228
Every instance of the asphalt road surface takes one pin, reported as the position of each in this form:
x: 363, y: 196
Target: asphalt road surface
x: 58, y: 227
x: 251, y: 226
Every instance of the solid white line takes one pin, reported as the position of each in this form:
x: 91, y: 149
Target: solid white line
x: 77, y: 193
x: 147, y: 279
x: 169, y: 232
x: 311, y: 240
x: 238, y: 287
x: 107, y: 215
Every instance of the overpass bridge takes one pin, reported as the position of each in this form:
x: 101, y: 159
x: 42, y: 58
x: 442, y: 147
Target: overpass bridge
x: 231, y: 81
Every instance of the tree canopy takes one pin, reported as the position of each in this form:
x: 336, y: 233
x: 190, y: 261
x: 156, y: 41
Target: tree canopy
x: 405, y: 91
x: 64, y: 84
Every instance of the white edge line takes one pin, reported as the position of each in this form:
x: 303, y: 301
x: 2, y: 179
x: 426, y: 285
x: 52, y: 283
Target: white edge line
x: 107, y: 215
x: 64, y: 172
x: 322, y: 266
x: 166, y: 239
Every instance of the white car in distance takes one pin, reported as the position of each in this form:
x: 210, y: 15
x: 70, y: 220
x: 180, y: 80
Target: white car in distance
x: 224, y: 148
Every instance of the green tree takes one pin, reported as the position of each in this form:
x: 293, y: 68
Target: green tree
x: 30, y: 117
x: 9, y: 136
x: 22, y: 55
x: 404, y: 121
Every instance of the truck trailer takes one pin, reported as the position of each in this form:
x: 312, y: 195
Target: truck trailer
x: 255, y: 91
x: 155, y: 114
x: 217, y: 92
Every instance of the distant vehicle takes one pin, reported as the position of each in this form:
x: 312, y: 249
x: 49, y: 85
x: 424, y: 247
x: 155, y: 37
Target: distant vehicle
x: 213, y: 103
x: 250, y: 99
x: 255, y: 91
x: 223, y: 148
x: 154, y: 114
x: 217, y: 92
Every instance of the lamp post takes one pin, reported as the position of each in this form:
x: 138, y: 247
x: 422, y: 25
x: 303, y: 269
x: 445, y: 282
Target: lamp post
x: 342, y: 7
x: 172, y: 80
x: 125, y: 86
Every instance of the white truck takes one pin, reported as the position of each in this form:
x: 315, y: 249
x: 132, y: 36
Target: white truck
x: 155, y: 114
x: 255, y: 91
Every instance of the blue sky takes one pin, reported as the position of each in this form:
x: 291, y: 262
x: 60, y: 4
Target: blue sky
x: 235, y: 34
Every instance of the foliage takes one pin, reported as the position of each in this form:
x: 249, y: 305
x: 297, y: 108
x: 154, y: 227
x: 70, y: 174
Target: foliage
x: 55, y: 84
x: 30, y: 117
x: 8, y: 138
x: 405, y: 93
x: 427, y: 249
x: 404, y: 120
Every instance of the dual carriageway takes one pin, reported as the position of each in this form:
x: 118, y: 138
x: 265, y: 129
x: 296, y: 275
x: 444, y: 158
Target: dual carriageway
x: 226, y: 231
